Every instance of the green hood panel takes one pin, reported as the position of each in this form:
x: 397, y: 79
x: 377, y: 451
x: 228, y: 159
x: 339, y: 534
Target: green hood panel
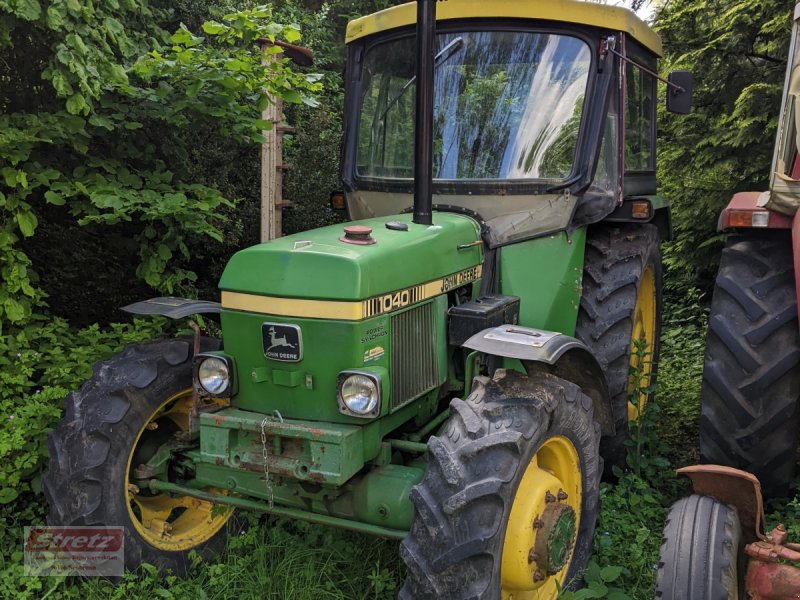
x: 329, y: 269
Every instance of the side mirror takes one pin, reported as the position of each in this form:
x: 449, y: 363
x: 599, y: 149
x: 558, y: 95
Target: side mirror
x: 679, y: 92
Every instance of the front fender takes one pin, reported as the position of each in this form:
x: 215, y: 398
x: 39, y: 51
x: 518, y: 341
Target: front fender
x: 174, y: 308
x: 562, y: 355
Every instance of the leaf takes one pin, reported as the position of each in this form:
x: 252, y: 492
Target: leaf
x: 10, y: 176
x: 8, y: 494
x: 213, y: 28
x: 61, y: 84
x: 76, y: 104
x: 56, y: 15
x: 30, y: 10
x: 113, y: 25
x: 592, y: 572
x: 15, y: 311
x: 54, y: 198
x: 74, y: 5
x: 598, y: 589
x: 610, y: 573
x: 27, y: 222
x: 182, y: 36
x: 193, y: 89
x: 291, y: 33
x: 291, y: 96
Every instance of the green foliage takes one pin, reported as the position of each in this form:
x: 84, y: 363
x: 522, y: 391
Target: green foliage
x: 680, y: 371
x: 737, y: 53
x: 628, y: 534
x: 599, y: 584
x: 39, y: 365
x: 98, y: 102
x: 644, y: 448
x: 223, y: 80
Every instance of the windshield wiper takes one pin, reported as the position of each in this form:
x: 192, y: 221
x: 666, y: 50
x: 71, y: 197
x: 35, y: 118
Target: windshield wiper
x: 443, y: 55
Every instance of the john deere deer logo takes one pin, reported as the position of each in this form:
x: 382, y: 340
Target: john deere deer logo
x: 282, y: 342
x: 278, y: 342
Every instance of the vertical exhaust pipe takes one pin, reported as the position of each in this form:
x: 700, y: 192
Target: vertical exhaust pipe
x: 423, y: 149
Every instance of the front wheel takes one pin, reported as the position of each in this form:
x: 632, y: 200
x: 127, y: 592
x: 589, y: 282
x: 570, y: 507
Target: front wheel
x: 509, y: 502
x: 134, y: 404
x: 699, y: 551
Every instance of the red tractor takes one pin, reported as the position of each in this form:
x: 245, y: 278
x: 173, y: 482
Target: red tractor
x: 713, y: 546
x: 751, y: 378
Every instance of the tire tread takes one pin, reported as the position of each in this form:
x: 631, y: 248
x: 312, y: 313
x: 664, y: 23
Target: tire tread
x: 751, y: 376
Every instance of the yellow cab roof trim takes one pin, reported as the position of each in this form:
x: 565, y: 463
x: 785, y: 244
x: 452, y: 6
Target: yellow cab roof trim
x: 614, y: 18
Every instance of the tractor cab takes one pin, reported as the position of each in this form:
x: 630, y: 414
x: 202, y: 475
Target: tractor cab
x: 543, y: 119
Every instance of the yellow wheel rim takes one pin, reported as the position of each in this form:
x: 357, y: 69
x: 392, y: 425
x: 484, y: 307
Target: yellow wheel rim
x: 543, y: 524
x: 644, y: 328
x: 168, y: 522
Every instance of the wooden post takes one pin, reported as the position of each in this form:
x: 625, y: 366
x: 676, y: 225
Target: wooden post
x: 272, y: 166
x: 272, y: 174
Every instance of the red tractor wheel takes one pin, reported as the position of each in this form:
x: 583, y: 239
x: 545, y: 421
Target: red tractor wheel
x: 700, y: 550
x: 751, y: 376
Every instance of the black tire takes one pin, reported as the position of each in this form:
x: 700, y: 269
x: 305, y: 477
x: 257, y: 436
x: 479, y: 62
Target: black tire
x: 87, y: 480
x: 751, y: 377
x: 475, y: 468
x: 700, y: 546
x: 616, y: 259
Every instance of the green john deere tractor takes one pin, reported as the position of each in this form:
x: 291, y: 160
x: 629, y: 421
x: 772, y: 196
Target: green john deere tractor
x: 447, y: 369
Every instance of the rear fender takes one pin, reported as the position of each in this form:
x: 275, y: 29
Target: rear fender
x: 561, y: 355
x: 174, y: 308
x: 658, y: 213
x: 745, y: 202
x: 739, y: 489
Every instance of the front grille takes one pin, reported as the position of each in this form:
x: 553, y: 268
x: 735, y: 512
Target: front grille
x: 415, y: 368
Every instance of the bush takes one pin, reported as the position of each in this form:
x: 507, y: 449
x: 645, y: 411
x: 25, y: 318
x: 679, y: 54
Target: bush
x: 39, y: 365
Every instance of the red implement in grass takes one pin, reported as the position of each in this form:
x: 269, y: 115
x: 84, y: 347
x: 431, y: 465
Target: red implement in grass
x: 713, y: 545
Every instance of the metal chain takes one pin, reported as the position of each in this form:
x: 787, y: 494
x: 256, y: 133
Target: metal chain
x: 265, y: 453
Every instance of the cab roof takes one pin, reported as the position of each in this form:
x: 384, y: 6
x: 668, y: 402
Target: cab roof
x: 567, y: 11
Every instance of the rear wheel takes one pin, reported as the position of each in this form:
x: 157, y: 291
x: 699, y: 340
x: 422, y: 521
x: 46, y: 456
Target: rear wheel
x: 620, y: 304
x: 133, y: 405
x: 751, y: 376
x: 699, y: 551
x: 510, y: 498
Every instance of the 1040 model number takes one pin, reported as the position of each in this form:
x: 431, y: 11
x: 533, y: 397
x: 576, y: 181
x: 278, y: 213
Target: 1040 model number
x: 394, y: 301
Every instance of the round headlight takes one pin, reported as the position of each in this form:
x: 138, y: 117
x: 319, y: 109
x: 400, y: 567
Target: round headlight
x: 213, y: 375
x: 360, y: 394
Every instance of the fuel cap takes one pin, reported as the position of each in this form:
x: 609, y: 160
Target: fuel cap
x: 358, y: 234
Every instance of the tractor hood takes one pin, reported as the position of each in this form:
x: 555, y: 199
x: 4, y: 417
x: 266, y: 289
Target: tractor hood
x: 317, y: 264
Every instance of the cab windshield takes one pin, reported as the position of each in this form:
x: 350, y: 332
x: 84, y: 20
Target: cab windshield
x: 508, y: 106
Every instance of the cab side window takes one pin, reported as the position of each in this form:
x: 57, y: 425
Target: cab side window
x: 639, y: 120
